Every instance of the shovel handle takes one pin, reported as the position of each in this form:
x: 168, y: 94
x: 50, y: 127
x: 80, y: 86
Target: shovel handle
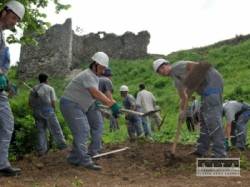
x: 177, y: 135
x: 125, y: 110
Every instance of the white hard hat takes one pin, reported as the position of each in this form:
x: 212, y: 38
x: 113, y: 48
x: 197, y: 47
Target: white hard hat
x: 16, y: 7
x: 101, y: 58
x: 157, y: 63
x: 124, y: 88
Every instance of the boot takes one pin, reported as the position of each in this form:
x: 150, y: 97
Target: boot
x: 10, y: 171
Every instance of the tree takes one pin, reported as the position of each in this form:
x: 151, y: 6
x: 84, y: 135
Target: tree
x: 33, y: 21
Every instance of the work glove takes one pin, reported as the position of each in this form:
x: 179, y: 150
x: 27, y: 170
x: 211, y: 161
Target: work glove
x: 3, y: 82
x: 98, y: 104
x: 115, y: 108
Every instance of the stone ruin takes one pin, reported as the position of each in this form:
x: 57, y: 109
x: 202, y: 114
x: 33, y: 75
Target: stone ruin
x: 60, y: 50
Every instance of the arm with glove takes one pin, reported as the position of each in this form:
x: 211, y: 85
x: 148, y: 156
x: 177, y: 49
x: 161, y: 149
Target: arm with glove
x: 3, y: 82
x: 5, y: 85
x: 98, y: 95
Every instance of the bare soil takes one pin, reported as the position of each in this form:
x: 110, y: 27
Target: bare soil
x: 144, y: 164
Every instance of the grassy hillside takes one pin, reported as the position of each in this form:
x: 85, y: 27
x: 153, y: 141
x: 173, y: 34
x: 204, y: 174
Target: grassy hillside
x: 232, y: 60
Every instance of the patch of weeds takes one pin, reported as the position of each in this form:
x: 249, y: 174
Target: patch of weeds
x: 77, y: 182
x: 244, y: 162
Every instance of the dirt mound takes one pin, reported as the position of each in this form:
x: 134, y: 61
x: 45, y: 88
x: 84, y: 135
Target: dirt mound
x: 143, y: 164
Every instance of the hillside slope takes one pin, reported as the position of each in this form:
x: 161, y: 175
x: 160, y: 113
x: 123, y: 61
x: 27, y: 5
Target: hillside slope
x: 231, y: 59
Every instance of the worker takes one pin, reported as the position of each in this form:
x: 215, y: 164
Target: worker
x: 81, y: 113
x: 133, y: 121
x: 106, y: 87
x: 42, y: 99
x: 210, y: 88
x: 237, y: 115
x: 147, y: 102
x: 12, y: 12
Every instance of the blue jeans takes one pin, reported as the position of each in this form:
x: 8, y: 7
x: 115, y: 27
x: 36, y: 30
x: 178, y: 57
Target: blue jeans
x: 134, y: 128
x: 146, y: 126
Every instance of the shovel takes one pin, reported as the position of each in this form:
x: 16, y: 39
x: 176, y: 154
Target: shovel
x: 170, y: 156
x: 132, y: 111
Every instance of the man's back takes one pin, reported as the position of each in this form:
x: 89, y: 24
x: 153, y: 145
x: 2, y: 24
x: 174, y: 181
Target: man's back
x: 46, y: 93
x: 145, y: 100
x: 230, y: 109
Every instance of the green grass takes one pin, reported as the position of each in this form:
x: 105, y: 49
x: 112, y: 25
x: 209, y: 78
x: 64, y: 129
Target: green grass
x: 232, y: 61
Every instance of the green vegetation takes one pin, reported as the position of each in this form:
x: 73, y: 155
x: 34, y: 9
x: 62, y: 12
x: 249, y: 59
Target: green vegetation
x: 233, y: 61
x: 34, y: 20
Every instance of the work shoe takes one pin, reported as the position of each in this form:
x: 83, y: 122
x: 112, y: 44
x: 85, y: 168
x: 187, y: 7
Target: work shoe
x: 241, y: 148
x: 10, y: 171
x: 93, y: 166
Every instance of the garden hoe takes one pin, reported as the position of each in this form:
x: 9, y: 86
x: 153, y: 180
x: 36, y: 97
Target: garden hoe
x: 110, y: 152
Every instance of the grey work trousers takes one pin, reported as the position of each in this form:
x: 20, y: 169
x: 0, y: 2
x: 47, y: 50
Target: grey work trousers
x: 240, y: 130
x: 81, y: 125
x: 6, y: 130
x: 46, y: 119
x: 211, y: 131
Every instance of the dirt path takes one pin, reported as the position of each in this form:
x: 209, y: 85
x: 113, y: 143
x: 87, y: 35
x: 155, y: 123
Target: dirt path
x: 142, y: 165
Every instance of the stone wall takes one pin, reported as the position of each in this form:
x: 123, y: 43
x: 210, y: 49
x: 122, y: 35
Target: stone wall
x: 52, y: 55
x: 59, y: 50
x: 126, y: 46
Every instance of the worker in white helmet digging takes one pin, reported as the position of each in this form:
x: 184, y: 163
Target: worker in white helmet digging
x: 191, y: 76
x: 80, y: 112
x: 133, y: 121
x: 12, y: 12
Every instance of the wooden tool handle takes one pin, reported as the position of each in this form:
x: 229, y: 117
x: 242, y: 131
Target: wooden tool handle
x: 177, y: 135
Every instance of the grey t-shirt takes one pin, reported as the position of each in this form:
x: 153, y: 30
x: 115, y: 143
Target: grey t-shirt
x: 77, y: 89
x: 179, y: 73
x: 230, y: 108
x: 145, y: 100
x: 105, y: 84
x: 46, y: 93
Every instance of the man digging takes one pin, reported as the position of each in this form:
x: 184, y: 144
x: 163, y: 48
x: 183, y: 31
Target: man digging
x: 191, y: 76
